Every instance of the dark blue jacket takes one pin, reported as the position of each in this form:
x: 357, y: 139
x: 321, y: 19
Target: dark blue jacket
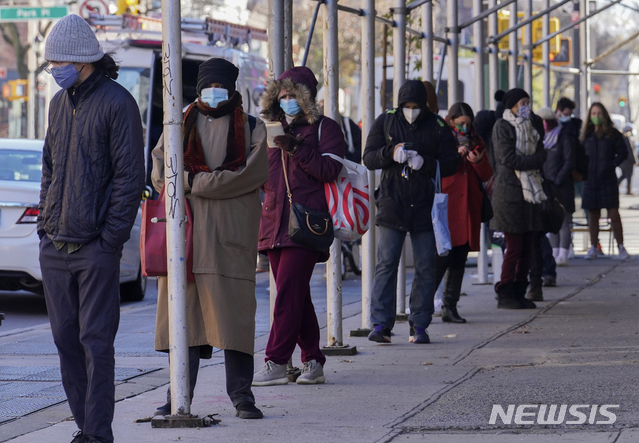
x: 92, y: 164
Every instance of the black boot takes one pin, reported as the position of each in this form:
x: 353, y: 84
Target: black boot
x: 452, y: 290
x: 506, y: 296
x: 535, y: 293
x: 520, y: 295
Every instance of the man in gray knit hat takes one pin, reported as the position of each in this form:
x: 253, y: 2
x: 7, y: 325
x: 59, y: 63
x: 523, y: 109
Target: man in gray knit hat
x: 92, y: 182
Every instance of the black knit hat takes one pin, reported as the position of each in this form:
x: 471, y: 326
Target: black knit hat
x: 513, y: 96
x: 217, y: 70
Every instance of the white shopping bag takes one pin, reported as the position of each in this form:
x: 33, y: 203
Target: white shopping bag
x: 439, y: 214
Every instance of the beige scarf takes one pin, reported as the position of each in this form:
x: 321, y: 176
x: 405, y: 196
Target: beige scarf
x: 527, y: 138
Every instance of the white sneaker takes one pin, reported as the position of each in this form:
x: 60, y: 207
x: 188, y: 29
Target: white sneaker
x: 592, y: 253
x: 623, y: 254
x: 271, y: 374
x: 312, y: 373
x: 562, y: 257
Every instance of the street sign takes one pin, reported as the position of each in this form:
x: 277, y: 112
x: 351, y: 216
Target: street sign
x: 89, y: 7
x: 21, y: 14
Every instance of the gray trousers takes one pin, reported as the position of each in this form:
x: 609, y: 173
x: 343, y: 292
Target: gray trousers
x: 83, y: 300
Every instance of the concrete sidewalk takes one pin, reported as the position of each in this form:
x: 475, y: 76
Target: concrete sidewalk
x: 580, y: 347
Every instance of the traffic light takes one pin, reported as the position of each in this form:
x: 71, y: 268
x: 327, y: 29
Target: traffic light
x: 564, y: 56
x: 15, y: 90
x: 622, y: 101
x: 127, y: 6
x: 596, y: 88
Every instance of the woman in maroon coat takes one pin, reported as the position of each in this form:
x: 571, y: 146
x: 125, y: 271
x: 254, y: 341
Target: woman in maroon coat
x: 464, y: 207
x: 290, y: 100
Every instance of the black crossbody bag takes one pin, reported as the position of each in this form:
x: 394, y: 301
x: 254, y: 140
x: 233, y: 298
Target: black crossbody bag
x: 308, y: 227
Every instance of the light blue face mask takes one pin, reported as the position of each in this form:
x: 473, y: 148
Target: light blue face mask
x: 66, y: 76
x: 213, y: 96
x: 524, y: 111
x: 290, y: 106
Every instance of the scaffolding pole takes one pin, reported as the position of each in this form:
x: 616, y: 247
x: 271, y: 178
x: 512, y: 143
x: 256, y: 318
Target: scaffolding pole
x: 546, y: 57
x: 493, y: 57
x: 453, y: 60
x: 512, y: 46
x: 399, y: 66
x: 288, y: 34
x: 175, y: 223
x: 479, y: 57
x: 368, y: 117
x: 528, y: 49
x: 276, y: 33
x: 335, y: 342
x: 427, y: 42
x: 583, y: 46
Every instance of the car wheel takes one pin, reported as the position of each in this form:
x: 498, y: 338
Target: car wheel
x: 134, y: 291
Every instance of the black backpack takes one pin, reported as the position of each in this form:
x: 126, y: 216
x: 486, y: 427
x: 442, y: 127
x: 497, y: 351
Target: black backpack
x: 580, y: 172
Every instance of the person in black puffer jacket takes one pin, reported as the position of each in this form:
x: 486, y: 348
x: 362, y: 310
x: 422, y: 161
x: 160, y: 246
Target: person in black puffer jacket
x: 92, y: 183
x: 606, y: 150
x: 406, y: 143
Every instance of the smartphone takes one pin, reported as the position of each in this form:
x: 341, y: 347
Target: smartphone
x: 408, y: 145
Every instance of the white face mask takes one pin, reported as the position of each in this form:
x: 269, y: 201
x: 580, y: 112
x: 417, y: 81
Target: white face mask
x: 411, y: 114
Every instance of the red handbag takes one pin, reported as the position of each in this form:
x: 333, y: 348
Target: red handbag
x: 153, y: 239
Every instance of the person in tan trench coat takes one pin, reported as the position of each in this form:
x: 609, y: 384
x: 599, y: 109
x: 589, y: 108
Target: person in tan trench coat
x: 225, y: 164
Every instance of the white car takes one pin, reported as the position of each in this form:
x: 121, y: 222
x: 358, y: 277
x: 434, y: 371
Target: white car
x: 20, y: 172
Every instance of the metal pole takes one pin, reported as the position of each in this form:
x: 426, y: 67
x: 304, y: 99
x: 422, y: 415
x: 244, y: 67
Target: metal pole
x: 383, y: 87
x: 427, y: 42
x: 583, y: 49
x: 276, y: 37
x: 331, y: 87
x: 31, y: 87
x: 174, y: 188
x: 587, y: 66
x: 528, y: 50
x: 368, y: 117
x: 288, y: 34
x: 512, y: 46
x: 612, y: 49
x: 546, y: 57
x: 576, y: 64
x: 399, y: 56
x: 482, y: 259
x: 399, y: 48
x: 493, y: 57
x: 453, y: 60
x: 276, y: 63
x: 310, y: 33
x: 479, y: 57
x: 441, y: 69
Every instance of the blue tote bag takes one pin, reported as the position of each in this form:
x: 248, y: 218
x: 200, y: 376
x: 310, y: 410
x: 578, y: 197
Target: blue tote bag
x: 439, y: 214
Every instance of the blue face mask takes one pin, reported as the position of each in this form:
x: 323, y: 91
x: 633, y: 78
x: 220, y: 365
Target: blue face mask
x: 290, y: 106
x: 66, y: 76
x: 213, y: 96
x: 524, y: 111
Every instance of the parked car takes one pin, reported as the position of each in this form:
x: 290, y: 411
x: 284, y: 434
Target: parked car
x: 20, y: 172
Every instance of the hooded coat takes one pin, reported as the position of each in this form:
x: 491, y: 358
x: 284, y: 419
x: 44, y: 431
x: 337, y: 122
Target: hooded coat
x: 226, y: 212
x: 402, y: 204
x: 601, y: 189
x: 307, y: 169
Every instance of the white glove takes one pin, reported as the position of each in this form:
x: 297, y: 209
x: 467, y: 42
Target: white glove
x: 415, y: 161
x: 400, y: 155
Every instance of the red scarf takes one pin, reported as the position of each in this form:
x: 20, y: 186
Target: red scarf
x: 194, y: 160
